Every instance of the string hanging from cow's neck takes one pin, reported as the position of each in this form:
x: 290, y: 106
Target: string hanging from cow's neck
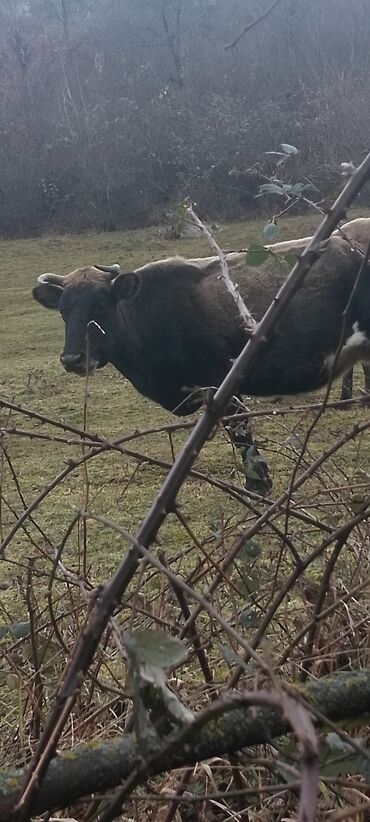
x: 94, y: 323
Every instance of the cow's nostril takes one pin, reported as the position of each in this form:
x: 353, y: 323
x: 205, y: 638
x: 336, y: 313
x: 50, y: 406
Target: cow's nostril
x: 71, y: 361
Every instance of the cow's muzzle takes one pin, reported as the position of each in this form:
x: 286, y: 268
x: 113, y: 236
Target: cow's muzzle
x: 77, y: 364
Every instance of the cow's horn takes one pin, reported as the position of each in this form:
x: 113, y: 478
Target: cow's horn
x: 114, y: 270
x: 50, y: 279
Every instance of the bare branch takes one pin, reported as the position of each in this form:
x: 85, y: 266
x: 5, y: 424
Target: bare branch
x: 252, y: 25
x: 249, y: 323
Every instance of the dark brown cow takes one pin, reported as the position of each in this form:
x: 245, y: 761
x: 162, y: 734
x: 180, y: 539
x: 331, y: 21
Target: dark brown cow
x: 170, y: 327
x: 357, y: 232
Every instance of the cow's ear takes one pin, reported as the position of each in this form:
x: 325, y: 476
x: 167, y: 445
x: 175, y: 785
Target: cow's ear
x: 126, y: 286
x: 47, y: 294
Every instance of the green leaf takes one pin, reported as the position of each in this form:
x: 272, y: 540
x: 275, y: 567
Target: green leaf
x: 296, y: 190
x: 12, y: 681
x: 288, y: 148
x: 20, y: 629
x: 290, y: 258
x: 173, y: 709
x: 180, y: 210
x: 270, y: 188
x: 250, y: 550
x: 270, y: 232
x: 158, y: 648
x: 195, y: 787
x: 231, y: 657
x: 148, y: 654
x: 181, y: 216
x: 310, y: 187
x: 250, y: 583
x: 254, y: 461
x: 337, y: 757
x: 256, y: 255
x: 251, y: 472
x: 249, y: 618
x: 336, y: 743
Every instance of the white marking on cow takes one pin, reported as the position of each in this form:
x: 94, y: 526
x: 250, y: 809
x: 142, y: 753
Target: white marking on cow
x: 356, y: 349
x: 93, y: 322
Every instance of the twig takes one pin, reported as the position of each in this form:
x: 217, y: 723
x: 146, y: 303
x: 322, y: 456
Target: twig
x: 175, y: 800
x: 320, y: 616
x: 37, y: 685
x: 249, y: 323
x: 351, y: 813
x: 169, y: 428
x: 340, y: 536
x: 252, y: 25
x: 324, y: 585
x: 179, y: 583
x: 194, y: 636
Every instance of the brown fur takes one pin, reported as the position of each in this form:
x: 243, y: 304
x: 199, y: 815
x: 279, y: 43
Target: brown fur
x: 84, y: 276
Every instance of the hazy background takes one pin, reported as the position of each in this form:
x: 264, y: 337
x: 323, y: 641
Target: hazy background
x: 111, y: 111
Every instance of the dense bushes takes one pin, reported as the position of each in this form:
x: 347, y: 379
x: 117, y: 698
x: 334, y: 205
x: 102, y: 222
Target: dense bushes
x: 111, y: 112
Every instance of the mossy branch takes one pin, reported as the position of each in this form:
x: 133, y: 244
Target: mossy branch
x: 98, y: 766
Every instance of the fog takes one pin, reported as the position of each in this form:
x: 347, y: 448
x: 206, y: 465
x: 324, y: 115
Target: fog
x: 113, y: 111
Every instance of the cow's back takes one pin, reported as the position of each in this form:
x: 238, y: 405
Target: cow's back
x: 190, y: 329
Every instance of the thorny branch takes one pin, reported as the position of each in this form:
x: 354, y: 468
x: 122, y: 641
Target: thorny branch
x: 249, y: 323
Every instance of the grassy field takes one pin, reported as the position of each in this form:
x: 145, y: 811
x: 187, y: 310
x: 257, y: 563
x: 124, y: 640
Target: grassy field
x: 122, y: 486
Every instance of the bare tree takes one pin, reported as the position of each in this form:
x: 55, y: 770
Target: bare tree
x: 112, y: 112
